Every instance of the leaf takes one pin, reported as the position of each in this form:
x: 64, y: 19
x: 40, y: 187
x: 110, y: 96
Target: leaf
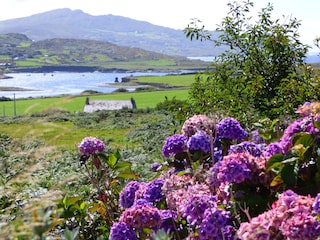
x: 303, y: 138
x: 128, y: 175
x: 112, y: 160
x: 67, y: 201
x: 289, y: 175
x: 276, y: 181
x: 274, y: 159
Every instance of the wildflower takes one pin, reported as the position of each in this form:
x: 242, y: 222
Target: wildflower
x: 198, y: 123
x: 199, y: 141
x: 90, y: 146
x: 230, y: 128
x: 174, y: 144
x: 122, y: 231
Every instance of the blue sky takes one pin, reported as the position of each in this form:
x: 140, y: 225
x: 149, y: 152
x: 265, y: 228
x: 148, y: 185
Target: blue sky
x: 173, y: 13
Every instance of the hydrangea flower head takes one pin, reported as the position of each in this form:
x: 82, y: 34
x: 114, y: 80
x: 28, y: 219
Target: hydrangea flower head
x: 272, y: 149
x: 246, y: 146
x: 256, y: 138
x: 174, y: 144
x: 198, y: 123
x: 309, y: 109
x: 153, y: 192
x: 121, y: 231
x: 195, y: 207
x: 230, y: 128
x: 216, y: 224
x: 316, y: 204
x: 142, y: 216
x: 90, y: 145
x: 128, y: 193
x: 199, y: 141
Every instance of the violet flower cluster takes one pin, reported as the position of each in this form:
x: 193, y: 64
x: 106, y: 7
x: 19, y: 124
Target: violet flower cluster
x: 174, y: 144
x: 91, y: 145
x: 230, y: 128
x: 128, y: 194
x: 249, y: 147
x: 291, y: 217
x: 216, y: 224
x: 199, y: 141
x: 122, y: 231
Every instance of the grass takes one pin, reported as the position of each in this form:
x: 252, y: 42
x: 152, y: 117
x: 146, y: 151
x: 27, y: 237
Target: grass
x: 172, y: 80
x: 72, y: 104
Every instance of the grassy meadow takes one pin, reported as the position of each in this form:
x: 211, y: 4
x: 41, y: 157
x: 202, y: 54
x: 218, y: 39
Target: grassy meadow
x: 144, y: 99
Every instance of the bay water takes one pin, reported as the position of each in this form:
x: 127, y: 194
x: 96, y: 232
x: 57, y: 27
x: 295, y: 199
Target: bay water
x: 64, y: 83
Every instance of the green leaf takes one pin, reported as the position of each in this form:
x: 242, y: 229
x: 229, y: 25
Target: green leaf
x: 303, y: 138
x: 274, y: 159
x: 112, y: 160
x: 276, y: 181
x: 289, y: 175
x: 128, y: 175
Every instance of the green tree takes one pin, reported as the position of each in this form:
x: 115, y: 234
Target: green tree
x: 262, y: 70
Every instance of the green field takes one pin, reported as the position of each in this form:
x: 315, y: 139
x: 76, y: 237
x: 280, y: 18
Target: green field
x: 144, y: 99
x: 76, y: 103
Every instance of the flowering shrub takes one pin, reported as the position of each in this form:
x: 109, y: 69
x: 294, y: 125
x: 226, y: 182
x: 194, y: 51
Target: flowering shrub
x: 219, y: 182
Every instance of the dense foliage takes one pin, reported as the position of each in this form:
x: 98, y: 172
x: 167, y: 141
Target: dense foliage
x: 263, y: 70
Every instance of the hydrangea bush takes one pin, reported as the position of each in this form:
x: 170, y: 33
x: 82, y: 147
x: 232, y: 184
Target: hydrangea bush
x: 220, y: 182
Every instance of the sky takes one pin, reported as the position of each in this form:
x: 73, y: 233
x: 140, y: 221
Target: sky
x: 175, y: 14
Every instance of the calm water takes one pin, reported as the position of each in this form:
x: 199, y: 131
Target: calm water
x: 57, y: 83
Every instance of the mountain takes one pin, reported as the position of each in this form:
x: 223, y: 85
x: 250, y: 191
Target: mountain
x: 75, y: 24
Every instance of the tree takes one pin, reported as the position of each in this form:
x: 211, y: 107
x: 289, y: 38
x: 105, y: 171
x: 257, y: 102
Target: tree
x: 263, y: 58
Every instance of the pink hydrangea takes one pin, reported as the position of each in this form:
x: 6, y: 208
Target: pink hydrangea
x: 198, y: 123
x: 141, y: 216
x: 291, y: 217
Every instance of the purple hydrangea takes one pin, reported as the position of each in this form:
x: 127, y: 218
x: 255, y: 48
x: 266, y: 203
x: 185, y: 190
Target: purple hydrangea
x: 272, y: 149
x: 121, y: 231
x: 316, y: 204
x: 174, y: 144
x: 127, y: 195
x: 153, y: 192
x: 216, y: 224
x: 256, y: 138
x: 230, y: 128
x: 249, y: 147
x: 234, y: 168
x: 155, y: 167
x: 300, y: 125
x: 168, y: 217
x: 199, y: 141
x: 90, y: 145
x: 195, y: 206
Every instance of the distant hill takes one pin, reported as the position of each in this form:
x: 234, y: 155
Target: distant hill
x: 75, y: 24
x: 19, y: 52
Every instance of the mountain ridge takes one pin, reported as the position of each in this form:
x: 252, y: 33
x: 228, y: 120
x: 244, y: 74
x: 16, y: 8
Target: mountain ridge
x: 123, y: 31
